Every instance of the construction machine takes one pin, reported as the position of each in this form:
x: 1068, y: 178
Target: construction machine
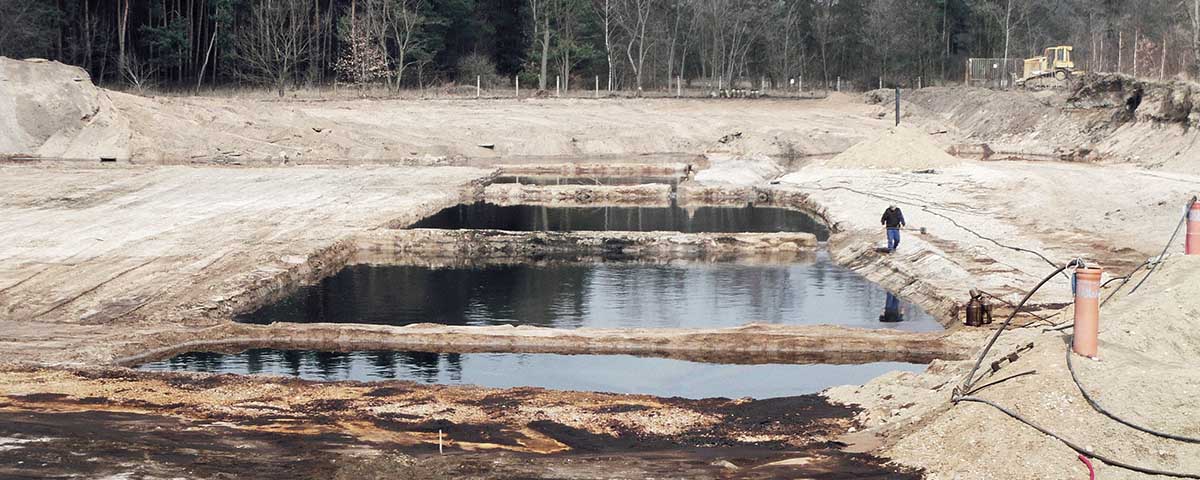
x: 1052, y: 69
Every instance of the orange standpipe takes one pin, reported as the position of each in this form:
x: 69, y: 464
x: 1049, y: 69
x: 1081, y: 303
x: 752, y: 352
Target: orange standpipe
x: 1087, y: 310
x: 1192, y: 247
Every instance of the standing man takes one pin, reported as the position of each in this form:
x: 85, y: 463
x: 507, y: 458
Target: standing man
x: 893, y: 220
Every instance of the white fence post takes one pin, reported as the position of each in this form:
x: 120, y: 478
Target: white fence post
x: 517, y: 81
x: 557, y: 85
x: 597, y: 86
x: 478, y: 82
x: 839, y: 83
x: 800, y: 89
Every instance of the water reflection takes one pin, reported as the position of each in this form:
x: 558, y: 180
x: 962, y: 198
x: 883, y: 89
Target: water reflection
x: 693, y: 220
x: 602, y: 295
x: 891, y: 310
x: 578, y: 180
x: 605, y: 373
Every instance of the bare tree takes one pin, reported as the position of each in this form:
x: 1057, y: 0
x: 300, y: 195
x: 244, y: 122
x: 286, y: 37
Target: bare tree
x: 139, y: 74
x: 566, y: 15
x: 404, y: 20
x: 603, y: 10
x: 122, y: 26
x: 540, y: 12
x: 823, y: 32
x: 272, y: 43
x: 1194, y: 13
x: 633, y: 16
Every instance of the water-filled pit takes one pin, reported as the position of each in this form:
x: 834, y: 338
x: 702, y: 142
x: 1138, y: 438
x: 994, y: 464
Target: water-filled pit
x: 543, y: 180
x: 601, y: 373
x: 673, y: 218
x: 613, y: 293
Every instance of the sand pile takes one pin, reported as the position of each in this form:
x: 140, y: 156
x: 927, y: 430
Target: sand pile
x: 48, y: 109
x: 1162, y: 319
x: 739, y: 169
x: 896, y: 148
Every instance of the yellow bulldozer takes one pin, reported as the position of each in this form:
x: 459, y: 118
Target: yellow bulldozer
x: 1052, y: 69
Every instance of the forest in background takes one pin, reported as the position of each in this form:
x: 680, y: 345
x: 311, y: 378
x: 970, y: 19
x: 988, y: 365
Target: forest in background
x: 625, y: 44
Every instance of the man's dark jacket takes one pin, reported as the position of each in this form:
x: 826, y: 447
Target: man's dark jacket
x: 893, y: 218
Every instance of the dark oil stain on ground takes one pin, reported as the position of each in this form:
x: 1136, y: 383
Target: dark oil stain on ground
x: 96, y: 443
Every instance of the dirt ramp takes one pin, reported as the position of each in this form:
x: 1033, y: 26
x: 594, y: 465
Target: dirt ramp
x: 48, y: 109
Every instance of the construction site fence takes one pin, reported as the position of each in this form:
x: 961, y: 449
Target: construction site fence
x: 993, y: 72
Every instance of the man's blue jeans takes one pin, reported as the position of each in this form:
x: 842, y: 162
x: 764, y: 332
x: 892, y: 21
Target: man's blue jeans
x: 893, y: 235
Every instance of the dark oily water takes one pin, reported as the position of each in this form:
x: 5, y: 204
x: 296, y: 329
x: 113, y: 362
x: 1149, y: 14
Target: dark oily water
x: 528, y: 218
x: 563, y: 180
x: 602, y: 373
x: 601, y: 295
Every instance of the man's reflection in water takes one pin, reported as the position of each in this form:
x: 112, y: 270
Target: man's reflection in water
x: 891, y: 310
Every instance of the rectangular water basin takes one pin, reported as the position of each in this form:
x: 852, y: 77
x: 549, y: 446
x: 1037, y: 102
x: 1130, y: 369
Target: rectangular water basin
x: 607, y: 294
x: 602, y: 373
x: 712, y: 219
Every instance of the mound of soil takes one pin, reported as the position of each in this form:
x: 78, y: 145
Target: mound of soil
x: 896, y: 148
x: 48, y: 109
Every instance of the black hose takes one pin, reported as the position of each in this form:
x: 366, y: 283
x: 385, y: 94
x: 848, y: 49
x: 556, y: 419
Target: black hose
x: 970, y: 380
x: 1074, y: 446
x: 1058, y: 327
x: 1096, y: 406
x: 927, y: 209
x: 1006, y: 302
x: 1125, y: 280
x: 1182, y: 221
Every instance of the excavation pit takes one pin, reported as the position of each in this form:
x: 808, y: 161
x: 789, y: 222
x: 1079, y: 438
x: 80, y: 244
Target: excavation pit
x: 661, y: 377
x: 672, y: 218
x: 625, y: 292
x: 547, y: 180
x: 703, y: 301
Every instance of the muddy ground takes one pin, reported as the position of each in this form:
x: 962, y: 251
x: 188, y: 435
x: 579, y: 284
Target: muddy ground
x: 101, y: 262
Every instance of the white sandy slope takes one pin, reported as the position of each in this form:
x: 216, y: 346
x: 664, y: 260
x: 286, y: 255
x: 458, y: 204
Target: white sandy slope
x: 48, y: 109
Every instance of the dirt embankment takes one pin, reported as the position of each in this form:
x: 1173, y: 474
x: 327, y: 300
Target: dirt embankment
x: 48, y: 109
x: 1109, y: 118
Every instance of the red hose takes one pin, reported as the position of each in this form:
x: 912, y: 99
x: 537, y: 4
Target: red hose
x: 1091, y: 471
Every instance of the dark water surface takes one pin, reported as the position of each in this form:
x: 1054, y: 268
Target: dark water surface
x: 528, y: 218
x: 580, y: 180
x: 602, y: 295
x: 603, y: 373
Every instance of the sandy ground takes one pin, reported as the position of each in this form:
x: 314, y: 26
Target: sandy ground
x: 103, y: 261
x: 973, y: 213
x: 87, y: 248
